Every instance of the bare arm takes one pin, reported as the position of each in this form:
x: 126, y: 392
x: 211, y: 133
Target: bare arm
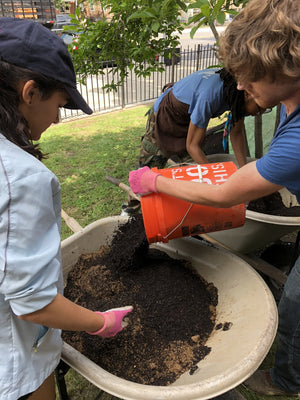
x: 194, y: 141
x: 238, y: 142
x: 244, y: 185
x: 64, y: 314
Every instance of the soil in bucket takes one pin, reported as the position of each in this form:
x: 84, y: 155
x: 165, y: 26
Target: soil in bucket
x: 173, y: 315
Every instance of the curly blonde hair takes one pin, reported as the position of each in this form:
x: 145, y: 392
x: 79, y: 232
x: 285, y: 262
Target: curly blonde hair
x: 263, y: 40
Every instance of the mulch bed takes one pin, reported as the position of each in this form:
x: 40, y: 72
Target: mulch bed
x: 173, y: 315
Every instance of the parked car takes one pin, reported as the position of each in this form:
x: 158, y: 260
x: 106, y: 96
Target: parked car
x: 68, y: 36
x: 58, y: 27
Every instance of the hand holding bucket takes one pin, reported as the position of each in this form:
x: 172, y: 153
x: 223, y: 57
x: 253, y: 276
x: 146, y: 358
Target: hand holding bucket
x: 143, y: 180
x: 166, y: 217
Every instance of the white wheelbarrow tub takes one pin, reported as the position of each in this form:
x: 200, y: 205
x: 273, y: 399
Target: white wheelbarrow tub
x: 259, y: 229
x: 244, y: 300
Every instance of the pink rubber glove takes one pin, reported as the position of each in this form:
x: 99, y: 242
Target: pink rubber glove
x: 113, y: 321
x: 143, y: 180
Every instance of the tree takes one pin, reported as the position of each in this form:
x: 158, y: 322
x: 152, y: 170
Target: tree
x: 212, y: 11
x: 138, y: 31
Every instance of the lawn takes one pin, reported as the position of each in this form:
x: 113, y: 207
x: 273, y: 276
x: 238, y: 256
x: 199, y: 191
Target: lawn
x: 81, y: 153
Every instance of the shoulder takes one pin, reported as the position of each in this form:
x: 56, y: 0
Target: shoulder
x: 281, y: 164
x: 18, y: 165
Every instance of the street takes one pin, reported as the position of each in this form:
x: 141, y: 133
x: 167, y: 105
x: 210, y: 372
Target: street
x: 202, y: 36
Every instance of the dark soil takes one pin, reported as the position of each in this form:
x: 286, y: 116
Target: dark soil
x: 174, y: 308
x: 273, y: 205
x: 173, y: 315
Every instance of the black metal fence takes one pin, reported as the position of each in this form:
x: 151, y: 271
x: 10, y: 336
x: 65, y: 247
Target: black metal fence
x: 136, y: 89
x: 39, y: 10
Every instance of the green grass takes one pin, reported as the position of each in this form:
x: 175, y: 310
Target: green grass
x: 81, y: 153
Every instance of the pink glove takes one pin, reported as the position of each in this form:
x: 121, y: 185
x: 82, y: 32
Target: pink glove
x: 113, y: 321
x: 143, y: 180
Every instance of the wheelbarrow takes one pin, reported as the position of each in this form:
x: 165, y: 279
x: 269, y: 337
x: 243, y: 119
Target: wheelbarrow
x: 235, y: 353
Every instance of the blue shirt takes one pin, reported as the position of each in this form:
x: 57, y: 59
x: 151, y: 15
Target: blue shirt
x: 30, y: 269
x: 203, y: 92
x: 281, y: 164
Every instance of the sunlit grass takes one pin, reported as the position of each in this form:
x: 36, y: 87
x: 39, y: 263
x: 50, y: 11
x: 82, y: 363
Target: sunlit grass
x: 82, y: 152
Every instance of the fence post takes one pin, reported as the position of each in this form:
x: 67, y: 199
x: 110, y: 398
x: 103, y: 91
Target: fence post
x: 258, y: 136
x: 198, y: 56
x: 277, y: 119
x: 122, y: 95
x: 173, y: 67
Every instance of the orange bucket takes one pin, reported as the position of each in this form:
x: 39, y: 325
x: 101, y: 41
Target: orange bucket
x: 166, y: 217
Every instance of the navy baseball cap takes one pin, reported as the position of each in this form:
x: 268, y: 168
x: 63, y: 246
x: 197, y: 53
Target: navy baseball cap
x: 30, y: 45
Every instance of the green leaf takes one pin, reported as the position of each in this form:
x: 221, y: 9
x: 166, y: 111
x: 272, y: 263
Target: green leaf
x: 198, y: 4
x: 182, y: 5
x: 141, y: 14
x: 232, y: 11
x: 221, y: 17
x: 238, y: 3
x: 155, y: 26
x: 196, y: 18
x: 194, y: 30
x: 205, y: 10
x: 218, y: 6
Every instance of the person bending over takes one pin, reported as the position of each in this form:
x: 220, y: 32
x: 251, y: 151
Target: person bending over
x: 177, y: 123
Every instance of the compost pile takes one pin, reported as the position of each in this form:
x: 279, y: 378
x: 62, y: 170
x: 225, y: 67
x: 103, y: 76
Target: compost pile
x: 173, y: 315
x: 273, y: 205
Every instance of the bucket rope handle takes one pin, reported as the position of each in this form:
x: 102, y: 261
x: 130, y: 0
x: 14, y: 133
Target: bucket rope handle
x: 190, y: 206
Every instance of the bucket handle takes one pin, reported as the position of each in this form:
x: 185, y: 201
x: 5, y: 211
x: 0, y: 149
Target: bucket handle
x: 190, y: 206
x: 180, y: 223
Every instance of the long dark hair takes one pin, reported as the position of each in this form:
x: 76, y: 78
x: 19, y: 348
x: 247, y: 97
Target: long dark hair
x: 12, y: 123
x: 235, y: 97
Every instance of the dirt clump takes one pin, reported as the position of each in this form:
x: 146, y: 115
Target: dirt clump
x: 173, y: 315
